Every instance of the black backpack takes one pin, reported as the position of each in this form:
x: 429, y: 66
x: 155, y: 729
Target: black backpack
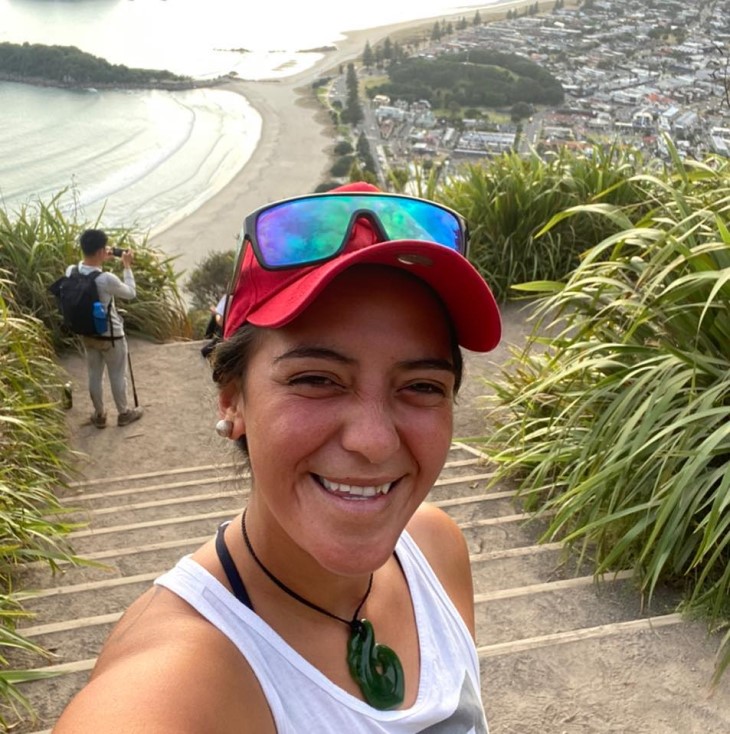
x: 76, y: 294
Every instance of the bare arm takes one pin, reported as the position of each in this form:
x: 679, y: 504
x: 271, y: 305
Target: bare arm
x: 166, y: 670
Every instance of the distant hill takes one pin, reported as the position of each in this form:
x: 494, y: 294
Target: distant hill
x: 474, y: 78
x: 67, y: 66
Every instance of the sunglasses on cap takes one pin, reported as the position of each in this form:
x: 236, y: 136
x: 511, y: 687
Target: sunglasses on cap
x: 307, y: 230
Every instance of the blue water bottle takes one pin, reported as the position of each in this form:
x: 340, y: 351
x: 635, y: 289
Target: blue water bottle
x: 99, y: 317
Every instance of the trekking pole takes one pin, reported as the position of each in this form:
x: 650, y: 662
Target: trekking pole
x: 131, y: 376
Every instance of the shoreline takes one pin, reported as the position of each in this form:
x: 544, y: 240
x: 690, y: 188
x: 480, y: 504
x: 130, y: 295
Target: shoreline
x: 292, y: 155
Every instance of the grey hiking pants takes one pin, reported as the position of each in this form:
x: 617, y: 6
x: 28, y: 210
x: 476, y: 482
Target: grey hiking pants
x: 102, y: 353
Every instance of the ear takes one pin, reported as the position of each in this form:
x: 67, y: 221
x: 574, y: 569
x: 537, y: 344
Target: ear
x: 231, y: 408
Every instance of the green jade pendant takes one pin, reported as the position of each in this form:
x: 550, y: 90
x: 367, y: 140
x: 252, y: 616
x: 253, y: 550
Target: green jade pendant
x: 375, y: 668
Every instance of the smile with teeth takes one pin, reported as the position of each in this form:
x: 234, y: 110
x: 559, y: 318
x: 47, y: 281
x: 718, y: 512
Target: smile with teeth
x: 356, y: 490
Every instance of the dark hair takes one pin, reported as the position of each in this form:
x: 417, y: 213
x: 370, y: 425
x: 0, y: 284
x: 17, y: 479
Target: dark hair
x: 92, y: 240
x: 231, y: 357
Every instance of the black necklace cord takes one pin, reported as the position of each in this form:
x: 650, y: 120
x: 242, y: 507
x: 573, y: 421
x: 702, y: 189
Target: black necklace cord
x: 375, y: 668
x: 353, y: 623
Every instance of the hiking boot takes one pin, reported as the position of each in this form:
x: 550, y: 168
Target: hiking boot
x: 129, y: 416
x: 98, y: 420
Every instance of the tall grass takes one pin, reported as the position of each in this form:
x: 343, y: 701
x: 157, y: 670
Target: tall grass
x: 508, y: 199
x: 38, y: 242
x: 617, y: 428
x: 33, y: 460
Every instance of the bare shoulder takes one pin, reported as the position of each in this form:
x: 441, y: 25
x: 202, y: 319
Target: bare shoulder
x: 166, y: 669
x: 442, y: 542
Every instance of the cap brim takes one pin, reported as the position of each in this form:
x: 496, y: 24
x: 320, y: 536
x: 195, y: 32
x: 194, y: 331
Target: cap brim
x: 462, y: 289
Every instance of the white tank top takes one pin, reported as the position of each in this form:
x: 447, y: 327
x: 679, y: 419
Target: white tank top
x: 302, y: 699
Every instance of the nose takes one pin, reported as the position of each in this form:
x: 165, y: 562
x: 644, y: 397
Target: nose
x: 370, y: 430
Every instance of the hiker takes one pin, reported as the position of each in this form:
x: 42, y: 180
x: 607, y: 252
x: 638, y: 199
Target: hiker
x: 336, y: 601
x: 109, y: 348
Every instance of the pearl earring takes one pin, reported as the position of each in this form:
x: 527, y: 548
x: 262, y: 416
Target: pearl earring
x: 224, y: 428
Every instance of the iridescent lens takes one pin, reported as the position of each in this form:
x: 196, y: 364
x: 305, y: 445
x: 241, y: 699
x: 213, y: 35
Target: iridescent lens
x: 308, y: 230
x: 413, y: 219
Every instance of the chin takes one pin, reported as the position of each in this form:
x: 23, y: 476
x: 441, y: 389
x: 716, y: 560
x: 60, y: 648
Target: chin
x: 349, y: 559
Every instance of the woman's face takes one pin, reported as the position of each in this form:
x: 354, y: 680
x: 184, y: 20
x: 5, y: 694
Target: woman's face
x: 348, y: 416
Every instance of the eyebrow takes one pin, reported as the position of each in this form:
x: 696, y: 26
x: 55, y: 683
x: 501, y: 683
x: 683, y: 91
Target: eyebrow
x: 314, y: 352
x: 324, y: 353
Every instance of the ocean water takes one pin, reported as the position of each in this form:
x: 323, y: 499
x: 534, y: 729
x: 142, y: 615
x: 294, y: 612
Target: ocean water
x: 146, y: 158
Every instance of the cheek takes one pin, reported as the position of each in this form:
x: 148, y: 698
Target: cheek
x: 288, y: 431
x: 429, y: 436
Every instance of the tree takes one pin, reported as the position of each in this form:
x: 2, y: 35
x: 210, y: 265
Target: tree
x: 520, y: 110
x: 341, y: 167
x: 364, y: 153
x: 209, y: 280
x: 477, y: 19
x: 343, y: 147
x: 368, y: 57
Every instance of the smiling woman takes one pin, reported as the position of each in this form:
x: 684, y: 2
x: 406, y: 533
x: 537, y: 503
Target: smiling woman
x: 337, y: 600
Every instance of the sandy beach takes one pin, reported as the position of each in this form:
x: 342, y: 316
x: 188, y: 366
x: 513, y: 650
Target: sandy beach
x: 293, y: 153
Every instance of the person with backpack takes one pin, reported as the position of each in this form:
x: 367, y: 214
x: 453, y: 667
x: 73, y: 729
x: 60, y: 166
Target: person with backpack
x: 109, y: 347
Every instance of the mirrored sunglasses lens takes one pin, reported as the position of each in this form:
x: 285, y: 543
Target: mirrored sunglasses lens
x: 407, y: 219
x: 310, y: 230
x: 300, y: 232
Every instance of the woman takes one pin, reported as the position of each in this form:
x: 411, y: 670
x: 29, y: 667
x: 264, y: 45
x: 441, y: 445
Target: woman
x: 336, y: 601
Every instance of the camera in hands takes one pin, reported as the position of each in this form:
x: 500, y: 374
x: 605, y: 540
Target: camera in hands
x: 117, y: 251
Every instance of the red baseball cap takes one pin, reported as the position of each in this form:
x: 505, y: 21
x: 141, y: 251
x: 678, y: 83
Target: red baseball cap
x: 272, y: 298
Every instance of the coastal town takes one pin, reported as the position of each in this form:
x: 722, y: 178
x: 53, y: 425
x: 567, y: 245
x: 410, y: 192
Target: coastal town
x: 653, y: 75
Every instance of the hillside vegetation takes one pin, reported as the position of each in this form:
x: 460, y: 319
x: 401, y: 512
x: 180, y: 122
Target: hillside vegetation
x: 474, y: 78
x: 68, y: 66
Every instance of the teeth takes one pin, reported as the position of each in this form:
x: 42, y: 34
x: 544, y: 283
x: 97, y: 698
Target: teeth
x: 355, y: 489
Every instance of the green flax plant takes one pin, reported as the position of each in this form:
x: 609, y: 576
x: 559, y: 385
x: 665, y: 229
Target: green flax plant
x: 617, y: 427
x: 33, y: 462
x: 39, y: 241
x: 508, y: 199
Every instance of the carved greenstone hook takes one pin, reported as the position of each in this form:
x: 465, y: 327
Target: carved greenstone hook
x: 375, y: 668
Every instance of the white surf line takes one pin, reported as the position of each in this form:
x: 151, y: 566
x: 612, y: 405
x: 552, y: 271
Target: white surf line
x: 586, y: 633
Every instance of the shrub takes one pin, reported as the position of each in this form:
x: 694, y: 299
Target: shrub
x: 33, y: 461
x: 208, y: 281
x: 618, y: 426
x: 343, y: 147
x: 342, y: 165
x: 507, y: 200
